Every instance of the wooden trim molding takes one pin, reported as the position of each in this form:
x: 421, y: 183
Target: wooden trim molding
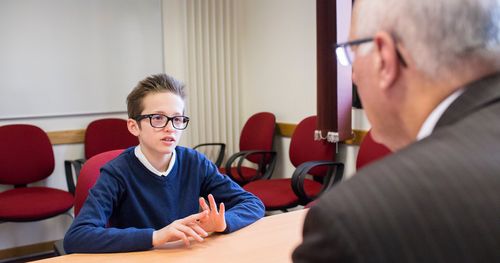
x: 357, y: 138
x: 282, y: 129
x: 22, y: 251
x: 285, y: 129
x: 66, y: 137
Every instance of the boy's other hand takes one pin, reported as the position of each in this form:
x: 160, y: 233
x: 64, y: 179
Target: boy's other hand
x: 181, y: 229
x: 214, y: 221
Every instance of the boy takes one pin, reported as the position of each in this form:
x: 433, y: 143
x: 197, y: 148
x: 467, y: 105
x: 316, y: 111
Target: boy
x: 151, y: 193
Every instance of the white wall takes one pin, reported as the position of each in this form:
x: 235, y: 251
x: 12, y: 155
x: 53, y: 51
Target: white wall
x: 278, y: 57
x: 102, y: 47
x: 174, y: 39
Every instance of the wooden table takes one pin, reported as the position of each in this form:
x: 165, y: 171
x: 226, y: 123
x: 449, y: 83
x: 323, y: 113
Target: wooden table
x: 271, y: 239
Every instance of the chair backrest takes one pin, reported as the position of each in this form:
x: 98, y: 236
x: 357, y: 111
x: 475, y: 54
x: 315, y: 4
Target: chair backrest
x: 89, y: 174
x: 107, y: 134
x: 369, y: 151
x: 304, y: 148
x: 258, y: 134
x: 26, y: 154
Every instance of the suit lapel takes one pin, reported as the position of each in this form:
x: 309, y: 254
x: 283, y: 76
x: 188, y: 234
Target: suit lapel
x: 476, y: 96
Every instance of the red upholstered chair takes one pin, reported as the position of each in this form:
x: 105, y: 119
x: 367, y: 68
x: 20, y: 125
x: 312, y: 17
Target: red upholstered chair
x: 88, y: 177
x: 312, y: 159
x: 256, y: 147
x: 107, y: 134
x: 89, y: 174
x: 27, y: 157
x: 369, y: 151
x: 100, y: 136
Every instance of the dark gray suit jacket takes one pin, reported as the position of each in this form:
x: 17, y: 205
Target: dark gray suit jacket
x: 437, y: 200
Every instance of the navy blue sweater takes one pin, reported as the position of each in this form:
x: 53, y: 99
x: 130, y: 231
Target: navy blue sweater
x: 135, y: 202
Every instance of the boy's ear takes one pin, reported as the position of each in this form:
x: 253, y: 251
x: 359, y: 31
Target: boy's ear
x: 133, y: 127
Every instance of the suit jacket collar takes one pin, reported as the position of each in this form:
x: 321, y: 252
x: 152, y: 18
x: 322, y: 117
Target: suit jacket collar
x: 477, y: 95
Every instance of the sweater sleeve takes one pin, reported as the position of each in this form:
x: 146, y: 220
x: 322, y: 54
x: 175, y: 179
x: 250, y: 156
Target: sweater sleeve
x: 242, y: 207
x: 88, y: 232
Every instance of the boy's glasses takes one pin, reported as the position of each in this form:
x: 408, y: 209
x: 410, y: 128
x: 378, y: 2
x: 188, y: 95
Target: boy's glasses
x: 160, y: 120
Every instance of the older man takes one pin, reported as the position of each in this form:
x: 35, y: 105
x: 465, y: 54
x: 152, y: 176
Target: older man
x: 428, y: 74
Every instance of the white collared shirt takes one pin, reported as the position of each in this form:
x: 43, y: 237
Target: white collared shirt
x: 138, y: 153
x: 436, y: 114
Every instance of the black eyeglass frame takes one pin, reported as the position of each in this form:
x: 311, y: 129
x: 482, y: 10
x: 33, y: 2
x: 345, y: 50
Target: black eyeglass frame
x: 366, y: 40
x: 150, y: 117
x: 354, y: 42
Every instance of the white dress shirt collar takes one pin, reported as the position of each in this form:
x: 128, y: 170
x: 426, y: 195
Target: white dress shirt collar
x: 436, y: 114
x: 142, y: 158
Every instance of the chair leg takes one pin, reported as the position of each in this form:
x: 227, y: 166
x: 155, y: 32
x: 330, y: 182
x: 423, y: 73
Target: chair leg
x: 59, y: 248
x: 68, y: 213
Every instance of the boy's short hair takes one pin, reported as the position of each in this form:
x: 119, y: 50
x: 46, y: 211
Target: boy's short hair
x: 152, y: 84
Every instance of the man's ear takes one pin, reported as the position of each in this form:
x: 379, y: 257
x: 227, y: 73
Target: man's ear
x: 133, y: 127
x: 386, y: 59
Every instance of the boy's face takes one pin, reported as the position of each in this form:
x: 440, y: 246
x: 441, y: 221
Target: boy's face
x: 158, y: 141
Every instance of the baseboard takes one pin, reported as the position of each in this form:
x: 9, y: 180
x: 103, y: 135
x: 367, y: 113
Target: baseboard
x: 22, y: 251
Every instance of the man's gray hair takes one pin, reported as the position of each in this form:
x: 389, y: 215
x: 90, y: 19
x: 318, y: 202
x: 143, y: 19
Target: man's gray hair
x: 439, y: 34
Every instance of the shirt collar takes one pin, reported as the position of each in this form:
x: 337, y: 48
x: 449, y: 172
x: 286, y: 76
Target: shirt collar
x: 433, y: 118
x: 142, y: 158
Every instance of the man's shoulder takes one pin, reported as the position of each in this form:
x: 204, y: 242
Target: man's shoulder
x: 423, y: 166
x: 420, y: 174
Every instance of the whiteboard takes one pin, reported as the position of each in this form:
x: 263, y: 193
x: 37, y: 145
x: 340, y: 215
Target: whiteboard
x: 67, y: 57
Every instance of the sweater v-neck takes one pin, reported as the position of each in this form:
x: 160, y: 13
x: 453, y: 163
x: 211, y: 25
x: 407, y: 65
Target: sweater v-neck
x: 148, y: 173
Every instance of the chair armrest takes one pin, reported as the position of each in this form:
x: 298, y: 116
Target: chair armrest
x: 265, y: 169
x: 70, y: 178
x: 220, y: 155
x: 334, y: 175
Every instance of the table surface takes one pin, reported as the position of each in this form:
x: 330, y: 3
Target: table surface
x: 271, y: 239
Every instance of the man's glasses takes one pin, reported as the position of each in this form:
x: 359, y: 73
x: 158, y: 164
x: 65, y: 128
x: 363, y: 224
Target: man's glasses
x: 160, y: 120
x: 345, y: 55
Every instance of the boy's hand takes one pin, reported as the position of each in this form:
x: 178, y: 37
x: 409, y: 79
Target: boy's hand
x: 181, y: 229
x: 214, y: 221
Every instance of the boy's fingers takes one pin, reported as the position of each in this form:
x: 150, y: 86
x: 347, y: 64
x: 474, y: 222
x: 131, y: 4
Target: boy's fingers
x: 188, y: 231
x: 180, y: 235
x: 193, y: 218
x: 222, y: 209
x: 203, y: 204
x: 199, y: 230
x: 186, y: 241
x: 211, y: 200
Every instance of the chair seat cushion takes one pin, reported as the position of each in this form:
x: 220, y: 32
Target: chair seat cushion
x: 33, y: 203
x: 246, y: 172
x: 277, y: 194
